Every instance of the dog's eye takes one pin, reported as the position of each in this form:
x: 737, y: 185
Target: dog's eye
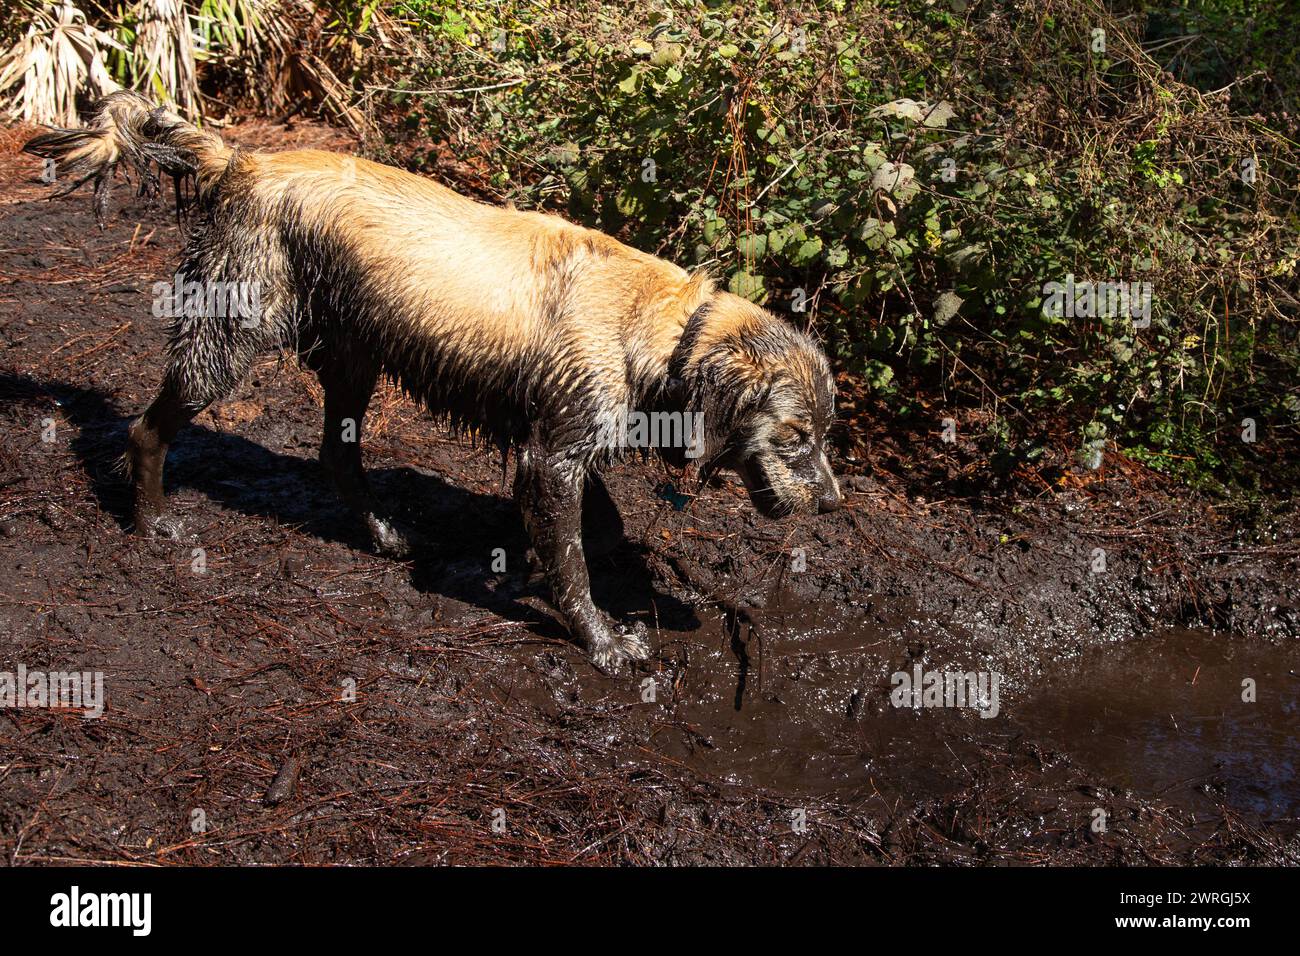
x: 791, y: 439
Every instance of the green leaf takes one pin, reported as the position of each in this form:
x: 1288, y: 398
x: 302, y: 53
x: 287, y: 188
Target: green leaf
x: 630, y: 82
x: 752, y: 246
x: 747, y: 286
x: 946, y: 305
x: 808, y: 250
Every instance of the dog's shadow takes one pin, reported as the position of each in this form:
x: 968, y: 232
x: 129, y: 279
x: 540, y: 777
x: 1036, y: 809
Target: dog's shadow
x: 463, y: 537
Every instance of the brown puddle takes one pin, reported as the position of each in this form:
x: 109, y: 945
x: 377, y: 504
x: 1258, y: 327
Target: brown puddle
x: 1165, y: 717
x: 800, y: 704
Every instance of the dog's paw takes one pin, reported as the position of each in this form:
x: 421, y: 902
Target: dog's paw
x: 607, y: 658
x: 387, y: 540
x: 149, y: 525
x: 634, y: 643
x: 609, y: 653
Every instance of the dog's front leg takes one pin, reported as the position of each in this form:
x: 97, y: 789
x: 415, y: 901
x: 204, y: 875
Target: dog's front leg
x: 548, y: 488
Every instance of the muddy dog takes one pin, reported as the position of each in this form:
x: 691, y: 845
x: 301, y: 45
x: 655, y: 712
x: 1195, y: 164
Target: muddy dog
x: 521, y: 326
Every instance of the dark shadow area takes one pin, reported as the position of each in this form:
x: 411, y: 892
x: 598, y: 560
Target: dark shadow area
x: 458, y: 530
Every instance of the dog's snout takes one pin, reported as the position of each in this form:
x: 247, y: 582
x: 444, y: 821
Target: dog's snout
x: 830, y: 498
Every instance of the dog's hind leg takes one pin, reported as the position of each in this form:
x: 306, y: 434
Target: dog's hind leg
x: 212, y: 343
x: 549, y: 490
x: 348, y: 386
x: 148, y: 439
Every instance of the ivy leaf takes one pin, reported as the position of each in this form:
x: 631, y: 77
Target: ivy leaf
x: 935, y: 116
x: 752, y: 246
x: 666, y: 54
x: 808, y: 250
x: 892, y: 177
x: 630, y: 82
x: 876, y: 233
x: 878, y: 374
x: 747, y: 286
x: 946, y: 305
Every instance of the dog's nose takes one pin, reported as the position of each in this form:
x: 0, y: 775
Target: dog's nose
x: 830, y: 501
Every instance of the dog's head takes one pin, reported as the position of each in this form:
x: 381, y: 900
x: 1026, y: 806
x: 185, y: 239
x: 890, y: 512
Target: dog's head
x: 767, y: 398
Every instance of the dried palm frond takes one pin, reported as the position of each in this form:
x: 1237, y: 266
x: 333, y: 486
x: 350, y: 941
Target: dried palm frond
x: 164, y: 63
x: 284, y: 55
x: 59, y: 56
x: 298, y: 67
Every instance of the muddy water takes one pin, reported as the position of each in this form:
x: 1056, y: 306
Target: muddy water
x: 798, y: 700
x: 1167, y: 717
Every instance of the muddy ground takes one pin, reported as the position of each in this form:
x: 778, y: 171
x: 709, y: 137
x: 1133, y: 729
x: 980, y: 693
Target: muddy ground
x: 760, y: 732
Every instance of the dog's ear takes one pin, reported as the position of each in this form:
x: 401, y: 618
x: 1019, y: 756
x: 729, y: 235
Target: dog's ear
x: 715, y: 403
x: 721, y: 382
x: 677, y: 393
x: 727, y: 403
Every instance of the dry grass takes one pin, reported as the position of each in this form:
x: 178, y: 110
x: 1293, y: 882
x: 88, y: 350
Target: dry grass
x: 58, y: 57
x: 163, y: 60
x: 279, y: 54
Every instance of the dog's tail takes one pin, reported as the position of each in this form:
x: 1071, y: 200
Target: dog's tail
x: 126, y: 128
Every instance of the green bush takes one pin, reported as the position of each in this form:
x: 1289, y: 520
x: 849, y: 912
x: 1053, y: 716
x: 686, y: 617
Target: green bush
x: 907, y: 177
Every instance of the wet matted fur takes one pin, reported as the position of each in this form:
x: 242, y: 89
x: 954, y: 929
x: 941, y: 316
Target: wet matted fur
x: 519, y: 325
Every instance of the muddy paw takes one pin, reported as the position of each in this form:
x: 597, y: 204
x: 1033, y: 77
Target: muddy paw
x: 627, y: 645
x: 387, y: 540
x: 157, y: 526
x: 607, y: 657
x: 634, y: 644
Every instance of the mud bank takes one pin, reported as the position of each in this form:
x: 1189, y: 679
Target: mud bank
x: 291, y: 697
